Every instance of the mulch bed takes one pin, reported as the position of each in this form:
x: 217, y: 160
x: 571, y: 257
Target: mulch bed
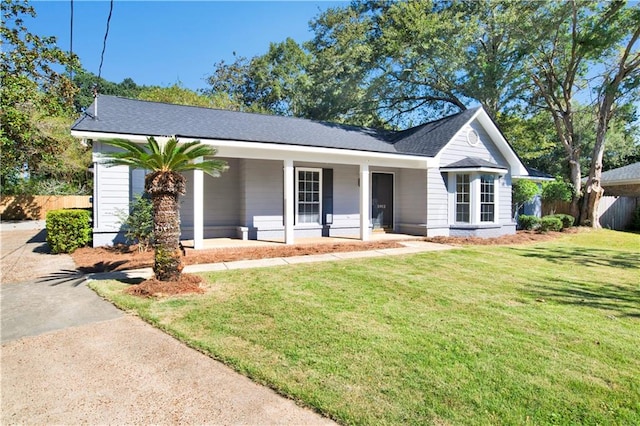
x: 188, y: 284
x: 119, y: 258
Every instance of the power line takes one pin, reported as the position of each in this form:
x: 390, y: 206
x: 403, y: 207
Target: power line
x: 71, y: 41
x: 104, y: 42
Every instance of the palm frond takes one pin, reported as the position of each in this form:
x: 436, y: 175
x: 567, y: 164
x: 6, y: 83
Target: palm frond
x: 172, y: 156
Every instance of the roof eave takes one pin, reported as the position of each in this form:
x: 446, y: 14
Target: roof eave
x: 278, y: 151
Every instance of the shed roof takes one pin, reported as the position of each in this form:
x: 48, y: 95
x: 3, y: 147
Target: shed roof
x: 125, y: 116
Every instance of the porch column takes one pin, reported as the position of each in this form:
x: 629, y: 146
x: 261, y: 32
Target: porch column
x: 364, y: 202
x: 289, y: 200
x: 198, y: 207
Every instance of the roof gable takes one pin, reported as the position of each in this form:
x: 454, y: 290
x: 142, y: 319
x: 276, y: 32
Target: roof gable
x: 430, y: 138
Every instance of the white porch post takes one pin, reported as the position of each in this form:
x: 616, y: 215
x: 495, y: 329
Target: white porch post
x: 289, y: 200
x: 198, y: 208
x: 364, y: 202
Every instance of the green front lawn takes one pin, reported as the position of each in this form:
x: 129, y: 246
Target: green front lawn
x: 529, y: 334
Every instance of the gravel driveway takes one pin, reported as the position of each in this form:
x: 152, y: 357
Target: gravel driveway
x: 89, y: 363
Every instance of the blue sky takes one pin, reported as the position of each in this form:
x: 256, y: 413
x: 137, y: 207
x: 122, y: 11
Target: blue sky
x: 162, y: 42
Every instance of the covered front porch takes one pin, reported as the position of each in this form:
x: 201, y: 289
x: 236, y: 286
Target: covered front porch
x: 259, y: 201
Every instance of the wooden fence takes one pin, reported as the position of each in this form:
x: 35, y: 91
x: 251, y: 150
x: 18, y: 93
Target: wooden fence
x: 617, y: 212
x: 614, y: 212
x: 33, y: 207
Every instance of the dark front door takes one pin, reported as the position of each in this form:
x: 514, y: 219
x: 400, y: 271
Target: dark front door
x: 382, y: 200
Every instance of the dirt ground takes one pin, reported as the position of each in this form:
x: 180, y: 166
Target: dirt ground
x: 105, y: 259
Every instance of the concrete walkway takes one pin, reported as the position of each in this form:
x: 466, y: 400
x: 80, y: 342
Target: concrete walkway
x: 410, y: 247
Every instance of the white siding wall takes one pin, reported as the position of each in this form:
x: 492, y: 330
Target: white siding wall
x: 459, y: 149
x: 112, y: 193
x: 221, y: 198
x: 411, y: 196
x: 438, y: 200
x: 346, y: 207
x: 263, y: 194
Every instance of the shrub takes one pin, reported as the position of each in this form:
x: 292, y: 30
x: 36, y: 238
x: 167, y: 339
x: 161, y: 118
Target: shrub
x: 138, y: 223
x: 550, y: 223
x: 567, y: 220
x: 68, y: 230
x: 528, y: 222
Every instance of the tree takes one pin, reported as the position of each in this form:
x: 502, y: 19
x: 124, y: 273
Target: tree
x: 177, y: 94
x: 556, y: 191
x: 165, y: 184
x: 523, y: 191
x: 87, y: 83
x: 275, y: 82
x: 403, y: 62
x: 573, y: 41
x: 619, y: 80
x: 36, y: 102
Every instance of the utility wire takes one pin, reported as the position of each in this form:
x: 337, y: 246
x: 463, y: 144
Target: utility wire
x: 104, y: 42
x: 71, y: 41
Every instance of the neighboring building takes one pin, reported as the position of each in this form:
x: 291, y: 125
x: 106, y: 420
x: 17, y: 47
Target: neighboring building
x: 621, y: 196
x: 291, y: 177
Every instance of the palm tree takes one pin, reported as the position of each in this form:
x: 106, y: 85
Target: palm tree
x: 164, y: 183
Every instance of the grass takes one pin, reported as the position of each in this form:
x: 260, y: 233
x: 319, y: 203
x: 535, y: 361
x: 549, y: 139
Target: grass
x: 545, y: 333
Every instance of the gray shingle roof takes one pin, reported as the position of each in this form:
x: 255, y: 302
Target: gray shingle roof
x: 134, y: 117
x: 438, y: 132
x: 628, y: 174
x: 472, y: 163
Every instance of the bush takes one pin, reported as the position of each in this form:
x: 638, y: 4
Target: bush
x: 528, y: 222
x: 550, y: 223
x: 68, y: 230
x: 138, y: 224
x: 566, y: 219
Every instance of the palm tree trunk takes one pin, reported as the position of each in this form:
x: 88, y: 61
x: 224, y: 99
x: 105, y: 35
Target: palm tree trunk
x: 165, y: 188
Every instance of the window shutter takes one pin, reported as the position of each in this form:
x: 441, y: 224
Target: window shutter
x: 327, y: 196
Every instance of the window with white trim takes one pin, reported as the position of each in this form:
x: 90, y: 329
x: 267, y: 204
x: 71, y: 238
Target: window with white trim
x: 309, y: 189
x: 487, y: 198
x: 463, y: 198
x: 474, y: 197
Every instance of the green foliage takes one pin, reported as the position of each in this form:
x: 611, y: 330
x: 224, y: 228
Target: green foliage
x: 524, y: 191
x: 87, y: 81
x: 550, y: 223
x: 566, y: 219
x: 170, y: 156
x: 557, y: 190
x: 528, y: 222
x: 138, y: 223
x: 177, y: 94
x: 36, y: 100
x: 68, y: 230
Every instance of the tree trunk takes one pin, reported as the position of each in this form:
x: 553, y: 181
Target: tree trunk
x: 593, y: 190
x: 164, y: 189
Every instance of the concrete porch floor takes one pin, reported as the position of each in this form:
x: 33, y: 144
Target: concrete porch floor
x: 216, y: 243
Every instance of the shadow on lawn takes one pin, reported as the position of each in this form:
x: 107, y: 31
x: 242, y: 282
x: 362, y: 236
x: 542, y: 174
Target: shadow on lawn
x: 582, y: 256
x: 624, y: 301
